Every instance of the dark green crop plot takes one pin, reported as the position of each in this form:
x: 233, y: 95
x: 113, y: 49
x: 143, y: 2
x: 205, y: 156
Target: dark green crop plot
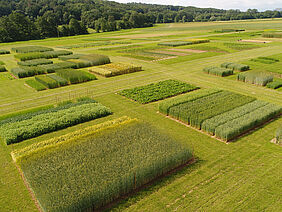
x: 90, y: 172
x: 35, y: 62
x: 35, y: 84
x: 75, y: 76
x: 4, y: 51
x: 157, y: 91
x: 38, y: 55
x: 222, y: 72
x: 17, y: 130
x: 47, y: 81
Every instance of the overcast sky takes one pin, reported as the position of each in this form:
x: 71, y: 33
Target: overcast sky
x: 221, y: 4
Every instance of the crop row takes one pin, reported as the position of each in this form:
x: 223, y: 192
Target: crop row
x: 27, y: 49
x: 114, y: 161
x: 38, y: 55
x: 114, y: 69
x: 13, y: 132
x: 222, y: 72
x: 265, y: 60
x: 258, y: 78
x: 157, y: 91
x: 196, y: 112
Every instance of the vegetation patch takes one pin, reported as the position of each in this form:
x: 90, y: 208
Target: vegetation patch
x: 157, y: 91
x: 35, y: 62
x: 229, y: 30
x: 61, y: 81
x: 272, y: 35
x: 27, y: 49
x: 2, y: 68
x: 175, y: 43
x: 75, y: 76
x: 223, y: 114
x: 2, y: 51
x: 275, y: 84
x: 222, y: 72
x: 35, y: 84
x: 47, y: 81
x: 27, y: 71
x: 29, y: 126
x: 278, y: 135
x: 265, y: 60
x: 257, y: 78
x: 114, y: 69
x: 140, y: 153
x: 235, y: 66
x: 38, y: 55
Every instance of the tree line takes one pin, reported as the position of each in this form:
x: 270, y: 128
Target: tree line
x: 37, y: 19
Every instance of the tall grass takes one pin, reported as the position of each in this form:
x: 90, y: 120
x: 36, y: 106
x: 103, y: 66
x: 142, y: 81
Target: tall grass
x: 75, y: 76
x: 101, y: 167
x: 27, y: 49
x: 258, y: 78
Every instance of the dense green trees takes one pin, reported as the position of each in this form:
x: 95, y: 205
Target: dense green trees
x: 35, y: 19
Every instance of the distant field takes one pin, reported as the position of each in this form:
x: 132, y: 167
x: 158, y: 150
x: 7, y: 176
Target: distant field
x: 244, y: 175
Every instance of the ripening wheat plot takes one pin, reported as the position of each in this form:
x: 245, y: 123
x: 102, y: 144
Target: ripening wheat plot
x: 90, y: 168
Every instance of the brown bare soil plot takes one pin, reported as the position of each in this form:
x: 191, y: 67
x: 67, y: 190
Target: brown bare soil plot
x: 255, y: 41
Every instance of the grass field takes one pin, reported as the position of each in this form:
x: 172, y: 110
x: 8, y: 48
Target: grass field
x: 240, y: 176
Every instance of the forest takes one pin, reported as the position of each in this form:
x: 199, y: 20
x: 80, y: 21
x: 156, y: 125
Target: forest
x: 38, y: 19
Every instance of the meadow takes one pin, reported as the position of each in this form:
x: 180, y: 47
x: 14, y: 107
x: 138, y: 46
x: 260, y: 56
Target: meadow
x: 243, y: 175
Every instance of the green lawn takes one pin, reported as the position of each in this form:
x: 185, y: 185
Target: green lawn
x: 241, y: 176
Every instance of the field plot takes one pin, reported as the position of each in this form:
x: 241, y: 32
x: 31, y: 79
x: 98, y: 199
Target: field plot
x: 24, y: 126
x: 221, y: 113
x: 157, y: 91
x: 115, y: 158
x: 114, y: 69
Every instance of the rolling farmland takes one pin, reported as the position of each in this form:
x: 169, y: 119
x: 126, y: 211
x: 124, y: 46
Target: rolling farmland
x: 95, y: 97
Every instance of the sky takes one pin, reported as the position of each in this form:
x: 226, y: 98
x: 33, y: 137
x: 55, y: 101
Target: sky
x: 243, y: 5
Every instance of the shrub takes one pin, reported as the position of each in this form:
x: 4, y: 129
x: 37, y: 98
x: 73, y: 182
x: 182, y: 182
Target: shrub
x: 258, y: 78
x: 157, y: 91
x: 48, y: 122
x: 75, y: 76
x: 35, y: 62
x: 236, y: 127
x: 167, y: 104
x: 47, y: 81
x: 274, y: 84
x: 2, y: 68
x: 4, y: 51
x: 58, y: 79
x: 235, y: 66
x: 175, y: 43
x: 22, y: 72
x: 27, y: 49
x: 218, y: 71
x: 38, y: 55
x: 127, y: 155
x: 35, y: 84
x: 114, y: 69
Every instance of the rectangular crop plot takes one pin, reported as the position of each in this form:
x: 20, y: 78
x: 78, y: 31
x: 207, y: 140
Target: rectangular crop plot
x: 22, y: 127
x: 89, y: 169
x: 114, y: 69
x: 157, y: 91
x: 221, y: 113
x: 27, y: 49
